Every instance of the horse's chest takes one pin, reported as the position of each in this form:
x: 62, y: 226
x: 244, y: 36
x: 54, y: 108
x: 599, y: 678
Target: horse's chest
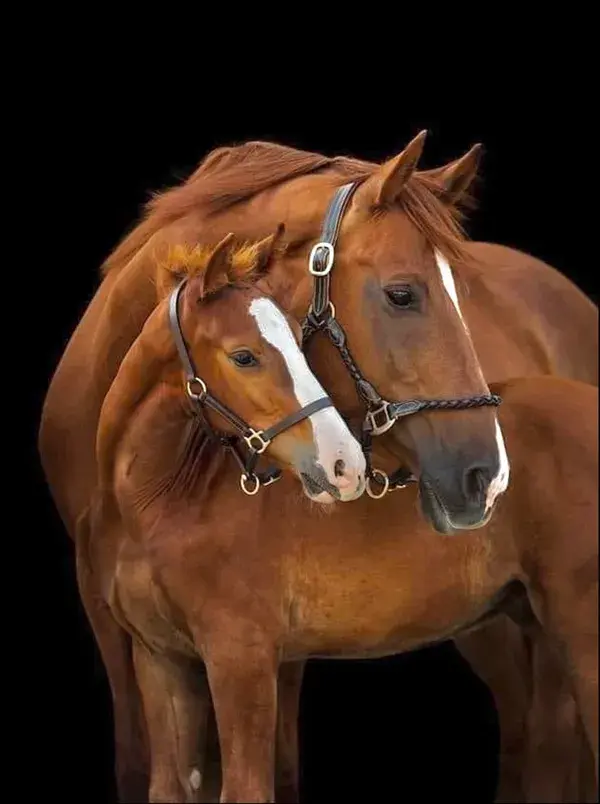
x: 389, y: 602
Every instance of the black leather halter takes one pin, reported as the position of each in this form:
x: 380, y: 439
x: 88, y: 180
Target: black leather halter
x: 256, y: 441
x: 381, y: 414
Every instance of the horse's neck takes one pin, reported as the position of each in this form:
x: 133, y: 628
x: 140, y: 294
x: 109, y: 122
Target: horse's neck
x: 140, y: 371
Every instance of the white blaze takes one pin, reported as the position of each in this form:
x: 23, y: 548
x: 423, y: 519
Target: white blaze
x: 333, y: 439
x: 499, y: 483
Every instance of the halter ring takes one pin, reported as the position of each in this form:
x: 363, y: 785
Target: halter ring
x: 385, y: 481
x: 245, y: 478
x: 189, y: 387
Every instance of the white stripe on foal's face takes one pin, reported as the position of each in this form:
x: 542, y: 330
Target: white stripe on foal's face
x: 499, y: 484
x: 333, y: 440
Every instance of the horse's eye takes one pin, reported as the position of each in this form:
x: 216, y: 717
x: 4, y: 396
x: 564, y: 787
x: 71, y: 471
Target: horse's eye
x: 401, y: 296
x: 244, y: 359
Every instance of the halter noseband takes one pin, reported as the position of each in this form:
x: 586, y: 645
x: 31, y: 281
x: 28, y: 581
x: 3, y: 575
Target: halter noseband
x: 256, y: 441
x: 381, y: 414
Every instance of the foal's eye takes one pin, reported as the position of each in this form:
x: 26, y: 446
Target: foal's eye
x: 244, y: 359
x: 401, y: 296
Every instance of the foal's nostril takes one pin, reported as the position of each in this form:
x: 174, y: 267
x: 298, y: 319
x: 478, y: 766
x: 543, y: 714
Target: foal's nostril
x: 339, y: 468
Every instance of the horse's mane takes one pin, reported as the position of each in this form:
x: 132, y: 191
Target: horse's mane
x: 229, y: 175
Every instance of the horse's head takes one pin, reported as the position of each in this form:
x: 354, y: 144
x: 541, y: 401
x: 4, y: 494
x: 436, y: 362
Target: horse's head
x: 396, y: 288
x: 246, y: 351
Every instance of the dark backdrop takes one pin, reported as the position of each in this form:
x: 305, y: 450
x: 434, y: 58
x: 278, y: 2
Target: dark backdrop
x: 420, y: 725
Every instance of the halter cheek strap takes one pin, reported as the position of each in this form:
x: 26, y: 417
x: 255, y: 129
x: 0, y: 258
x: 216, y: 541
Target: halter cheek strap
x: 256, y: 441
x: 381, y: 415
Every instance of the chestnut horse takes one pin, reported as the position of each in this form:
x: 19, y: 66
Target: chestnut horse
x: 252, y: 599
x: 515, y: 311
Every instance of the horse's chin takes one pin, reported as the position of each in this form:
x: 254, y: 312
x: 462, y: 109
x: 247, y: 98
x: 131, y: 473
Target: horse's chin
x: 439, y: 517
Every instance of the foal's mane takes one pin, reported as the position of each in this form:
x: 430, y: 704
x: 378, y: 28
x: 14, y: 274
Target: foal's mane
x: 183, y: 261
x: 230, y: 175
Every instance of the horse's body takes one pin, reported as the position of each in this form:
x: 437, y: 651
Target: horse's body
x: 359, y: 582
x: 516, y: 310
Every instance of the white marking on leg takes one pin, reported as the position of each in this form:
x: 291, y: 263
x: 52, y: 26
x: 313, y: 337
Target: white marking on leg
x: 195, y: 779
x: 333, y: 439
x: 499, y: 483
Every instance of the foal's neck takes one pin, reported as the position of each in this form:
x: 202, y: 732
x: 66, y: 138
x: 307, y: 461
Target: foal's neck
x: 165, y: 456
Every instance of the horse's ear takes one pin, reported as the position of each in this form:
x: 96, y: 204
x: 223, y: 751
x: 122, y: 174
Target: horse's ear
x: 391, y: 177
x: 216, y: 274
x: 455, y: 178
x: 265, y: 249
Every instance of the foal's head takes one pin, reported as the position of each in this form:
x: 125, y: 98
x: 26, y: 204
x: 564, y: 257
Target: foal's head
x: 246, y: 351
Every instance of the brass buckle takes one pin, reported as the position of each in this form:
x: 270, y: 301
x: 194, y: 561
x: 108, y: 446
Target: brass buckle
x: 374, y: 416
x: 328, y: 263
x: 257, y: 435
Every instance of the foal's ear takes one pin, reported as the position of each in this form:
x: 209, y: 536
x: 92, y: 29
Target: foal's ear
x: 216, y: 274
x: 265, y: 249
x: 388, y: 181
x: 455, y: 178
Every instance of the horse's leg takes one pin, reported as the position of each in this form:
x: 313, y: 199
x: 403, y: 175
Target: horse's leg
x: 242, y: 672
x: 569, y: 614
x: 131, y: 750
x: 553, y: 761
x: 498, y: 655
x: 288, y: 705
x: 176, y: 700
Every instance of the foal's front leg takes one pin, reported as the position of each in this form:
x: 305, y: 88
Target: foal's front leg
x: 242, y: 666
x: 176, y: 698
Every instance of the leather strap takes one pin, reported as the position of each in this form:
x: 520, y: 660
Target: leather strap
x: 321, y: 254
x: 298, y: 416
x: 182, y: 350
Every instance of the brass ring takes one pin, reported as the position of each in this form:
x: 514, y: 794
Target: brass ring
x: 385, y: 481
x: 244, y: 479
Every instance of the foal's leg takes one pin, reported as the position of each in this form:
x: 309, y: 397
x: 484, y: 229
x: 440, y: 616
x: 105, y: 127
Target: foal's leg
x: 242, y: 671
x: 176, y: 701
x: 287, y: 753
x: 288, y: 761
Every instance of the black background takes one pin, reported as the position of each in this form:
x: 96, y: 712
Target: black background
x: 420, y: 726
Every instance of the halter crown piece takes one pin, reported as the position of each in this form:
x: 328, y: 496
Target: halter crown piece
x: 381, y: 415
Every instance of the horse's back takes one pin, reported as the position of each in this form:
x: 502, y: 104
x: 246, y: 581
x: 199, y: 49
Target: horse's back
x: 523, y: 292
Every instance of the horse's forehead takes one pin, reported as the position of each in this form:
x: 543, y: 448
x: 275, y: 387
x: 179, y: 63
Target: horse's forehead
x: 389, y: 239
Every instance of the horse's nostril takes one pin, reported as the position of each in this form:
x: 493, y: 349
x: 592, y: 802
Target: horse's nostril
x: 475, y: 482
x: 339, y: 467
